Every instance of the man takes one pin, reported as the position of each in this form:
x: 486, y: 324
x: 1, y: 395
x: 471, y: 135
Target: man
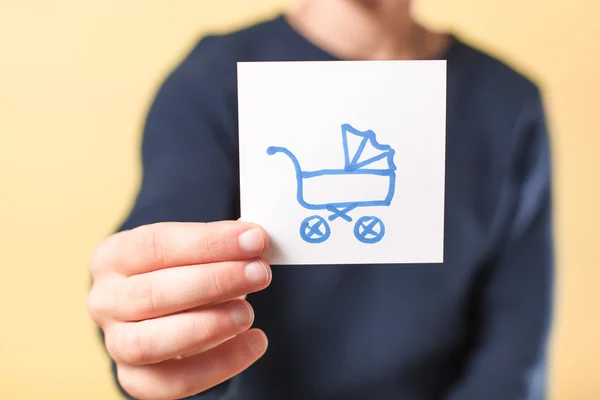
x: 169, y: 288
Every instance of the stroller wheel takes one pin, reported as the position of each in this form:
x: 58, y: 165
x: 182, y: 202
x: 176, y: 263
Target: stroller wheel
x: 314, y: 229
x: 369, y: 229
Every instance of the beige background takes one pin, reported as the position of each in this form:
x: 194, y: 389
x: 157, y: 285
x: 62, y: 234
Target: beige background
x: 75, y: 80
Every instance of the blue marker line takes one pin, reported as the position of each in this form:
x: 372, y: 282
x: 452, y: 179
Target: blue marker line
x: 369, y: 161
x: 380, y: 172
x: 367, y: 229
x: 361, y: 148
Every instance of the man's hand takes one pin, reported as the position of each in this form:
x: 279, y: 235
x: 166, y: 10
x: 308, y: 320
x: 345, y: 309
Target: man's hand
x: 169, y: 299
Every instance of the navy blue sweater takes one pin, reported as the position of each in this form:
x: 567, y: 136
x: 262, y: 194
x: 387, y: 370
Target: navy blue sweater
x: 472, y: 328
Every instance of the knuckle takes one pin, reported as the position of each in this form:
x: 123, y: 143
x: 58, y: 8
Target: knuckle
x: 217, y: 289
x: 218, y: 284
x: 100, y: 258
x: 146, y: 298
x: 151, y: 243
x: 105, y: 254
x: 96, y: 304
x: 129, y: 382
x: 204, y: 328
x: 110, y: 343
x: 213, y: 245
x: 181, y: 386
x: 129, y: 347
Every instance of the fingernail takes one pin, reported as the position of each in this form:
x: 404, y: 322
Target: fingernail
x: 256, y: 273
x: 241, y: 314
x: 252, y: 241
x: 257, y: 343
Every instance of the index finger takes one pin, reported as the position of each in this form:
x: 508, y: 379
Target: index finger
x: 174, y: 244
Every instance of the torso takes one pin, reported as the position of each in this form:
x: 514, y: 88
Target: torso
x: 388, y: 331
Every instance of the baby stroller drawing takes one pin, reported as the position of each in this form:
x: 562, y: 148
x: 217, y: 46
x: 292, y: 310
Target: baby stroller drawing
x: 368, y: 177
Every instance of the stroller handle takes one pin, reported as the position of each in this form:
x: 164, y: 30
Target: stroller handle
x: 274, y: 149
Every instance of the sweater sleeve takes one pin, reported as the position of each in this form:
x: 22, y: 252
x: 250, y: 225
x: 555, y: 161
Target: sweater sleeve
x: 514, y: 304
x: 189, y: 155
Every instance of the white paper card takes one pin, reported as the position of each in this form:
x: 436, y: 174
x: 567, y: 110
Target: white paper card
x: 343, y: 162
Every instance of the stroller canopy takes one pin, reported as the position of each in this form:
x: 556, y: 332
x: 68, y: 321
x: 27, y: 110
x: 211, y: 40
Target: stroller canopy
x: 362, y: 151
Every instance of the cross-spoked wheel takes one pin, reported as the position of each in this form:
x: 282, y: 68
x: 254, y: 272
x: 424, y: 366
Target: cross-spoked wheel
x: 369, y: 229
x: 315, y: 229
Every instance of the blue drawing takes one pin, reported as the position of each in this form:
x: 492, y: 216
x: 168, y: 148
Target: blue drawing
x: 364, y: 159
